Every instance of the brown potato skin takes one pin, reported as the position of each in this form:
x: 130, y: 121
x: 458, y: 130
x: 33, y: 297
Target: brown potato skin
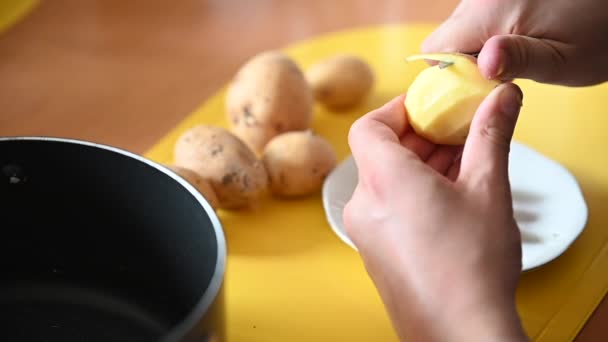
x: 235, y: 173
x: 340, y: 82
x: 268, y: 96
x: 202, y: 185
x: 297, y: 163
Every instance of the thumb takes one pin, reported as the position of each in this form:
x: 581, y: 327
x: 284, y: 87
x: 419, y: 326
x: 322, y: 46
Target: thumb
x: 454, y: 36
x: 512, y: 56
x: 486, y: 152
x: 459, y: 33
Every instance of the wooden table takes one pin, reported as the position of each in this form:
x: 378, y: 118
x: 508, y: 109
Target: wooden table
x: 125, y: 72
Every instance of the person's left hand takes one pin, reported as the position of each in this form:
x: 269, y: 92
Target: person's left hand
x: 436, y: 232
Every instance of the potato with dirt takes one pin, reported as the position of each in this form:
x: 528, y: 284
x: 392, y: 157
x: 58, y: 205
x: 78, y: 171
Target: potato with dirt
x: 340, y: 82
x: 297, y: 163
x: 235, y: 173
x: 268, y: 96
x: 199, y: 183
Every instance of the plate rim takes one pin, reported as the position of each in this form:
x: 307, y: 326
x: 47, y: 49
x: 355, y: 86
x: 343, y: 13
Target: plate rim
x: 559, y: 251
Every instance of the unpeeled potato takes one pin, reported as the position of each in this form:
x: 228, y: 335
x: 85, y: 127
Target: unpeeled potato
x: 201, y: 184
x: 340, y: 81
x: 297, y: 163
x: 268, y: 96
x: 443, y: 99
x: 235, y: 173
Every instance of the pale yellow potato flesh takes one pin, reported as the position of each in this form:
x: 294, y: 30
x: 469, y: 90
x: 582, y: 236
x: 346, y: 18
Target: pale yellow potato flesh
x: 441, y: 102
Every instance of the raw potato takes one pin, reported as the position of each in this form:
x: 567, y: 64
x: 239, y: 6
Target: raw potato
x: 442, y: 101
x: 268, y: 96
x: 341, y: 82
x: 297, y: 163
x: 201, y: 184
x: 235, y: 173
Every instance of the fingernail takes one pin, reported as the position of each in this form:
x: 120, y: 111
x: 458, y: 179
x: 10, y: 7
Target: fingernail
x: 499, y: 69
x: 511, y: 100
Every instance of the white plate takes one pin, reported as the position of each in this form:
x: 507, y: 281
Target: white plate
x: 548, y: 203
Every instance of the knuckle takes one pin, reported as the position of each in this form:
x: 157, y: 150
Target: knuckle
x: 516, y: 54
x: 347, y: 216
x: 356, y: 131
x: 481, y: 180
x: 496, y: 136
x: 352, y: 223
x: 488, y: 188
x: 373, y: 182
x: 555, y: 62
x: 520, y: 55
x: 354, y: 217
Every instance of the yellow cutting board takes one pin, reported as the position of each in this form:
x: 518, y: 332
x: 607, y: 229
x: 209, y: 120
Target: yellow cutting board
x: 291, y: 279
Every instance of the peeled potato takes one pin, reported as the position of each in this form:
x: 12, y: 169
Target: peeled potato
x: 234, y: 172
x: 201, y: 184
x: 442, y: 100
x: 341, y: 81
x: 268, y: 96
x: 297, y: 163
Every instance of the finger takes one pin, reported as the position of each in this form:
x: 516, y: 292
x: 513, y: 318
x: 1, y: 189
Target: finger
x: 388, y: 122
x: 453, y: 171
x: 457, y: 34
x: 381, y: 126
x: 417, y: 144
x: 443, y: 157
x: 352, y: 211
x: 513, y: 56
x: 376, y: 148
x: 486, y: 151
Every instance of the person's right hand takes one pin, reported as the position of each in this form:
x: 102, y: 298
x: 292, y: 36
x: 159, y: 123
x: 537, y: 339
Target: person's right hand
x: 559, y: 41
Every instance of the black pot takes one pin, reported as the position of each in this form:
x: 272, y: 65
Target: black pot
x: 99, y: 244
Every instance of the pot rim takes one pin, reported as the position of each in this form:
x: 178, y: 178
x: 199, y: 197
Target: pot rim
x: 215, y: 283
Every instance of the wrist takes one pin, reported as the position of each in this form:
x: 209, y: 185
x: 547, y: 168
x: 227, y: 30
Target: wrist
x: 487, y: 322
x: 456, y: 322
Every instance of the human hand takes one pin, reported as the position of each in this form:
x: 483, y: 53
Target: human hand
x: 561, y: 41
x: 436, y: 232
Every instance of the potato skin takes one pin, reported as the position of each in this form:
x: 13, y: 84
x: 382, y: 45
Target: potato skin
x: 202, y: 185
x: 235, y: 173
x: 268, y: 96
x: 297, y: 163
x: 341, y: 81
